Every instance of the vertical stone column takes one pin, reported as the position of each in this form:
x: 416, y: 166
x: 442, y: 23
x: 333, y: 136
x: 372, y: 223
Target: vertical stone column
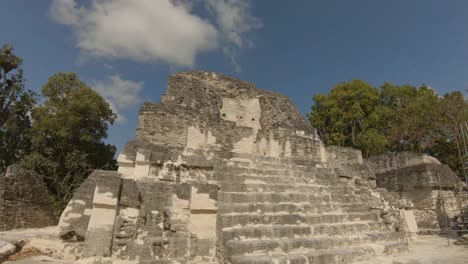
x: 142, y: 163
x: 99, y: 236
x: 409, y: 221
x: 126, y: 165
x: 203, y: 217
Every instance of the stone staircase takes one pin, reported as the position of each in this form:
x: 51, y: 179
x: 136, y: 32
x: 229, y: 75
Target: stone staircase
x: 273, y: 211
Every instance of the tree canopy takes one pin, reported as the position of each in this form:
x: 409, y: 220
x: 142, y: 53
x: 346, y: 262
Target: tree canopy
x: 16, y: 104
x: 62, y: 138
x: 392, y: 118
x: 67, y: 135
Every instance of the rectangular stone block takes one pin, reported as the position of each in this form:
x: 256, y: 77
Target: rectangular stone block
x: 107, y: 190
x: 99, y: 236
x: 409, y: 221
x: 143, y: 156
x: 130, y: 195
x: 98, y: 240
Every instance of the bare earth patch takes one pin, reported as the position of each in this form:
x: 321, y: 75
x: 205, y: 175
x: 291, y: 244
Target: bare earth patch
x: 429, y: 249
x: 25, y: 254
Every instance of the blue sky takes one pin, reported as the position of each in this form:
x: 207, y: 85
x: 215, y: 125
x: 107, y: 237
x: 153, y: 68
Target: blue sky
x: 126, y: 49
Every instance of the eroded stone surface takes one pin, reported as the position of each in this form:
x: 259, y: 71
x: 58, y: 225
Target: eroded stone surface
x: 75, y: 218
x: 6, y: 249
x: 419, y: 178
x: 223, y: 172
x: 24, y: 200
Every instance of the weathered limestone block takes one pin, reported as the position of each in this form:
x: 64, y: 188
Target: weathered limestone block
x: 397, y: 160
x: 75, y: 218
x: 6, y: 249
x: 99, y: 236
x: 418, y: 178
x: 238, y: 117
x: 203, y: 218
x: 24, y: 200
x: 409, y: 221
x: 343, y: 155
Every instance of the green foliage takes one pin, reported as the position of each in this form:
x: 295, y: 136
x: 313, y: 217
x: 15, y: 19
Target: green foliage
x: 454, y: 112
x: 392, y: 118
x: 16, y: 104
x: 346, y: 115
x: 67, y: 135
x: 414, y: 117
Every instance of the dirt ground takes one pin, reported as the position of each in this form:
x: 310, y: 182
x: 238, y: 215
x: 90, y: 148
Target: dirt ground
x: 426, y: 249
x: 429, y: 249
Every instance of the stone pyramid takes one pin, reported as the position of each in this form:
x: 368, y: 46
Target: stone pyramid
x: 223, y: 172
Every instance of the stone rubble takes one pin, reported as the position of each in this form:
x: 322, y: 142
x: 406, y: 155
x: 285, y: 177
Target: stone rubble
x: 6, y: 249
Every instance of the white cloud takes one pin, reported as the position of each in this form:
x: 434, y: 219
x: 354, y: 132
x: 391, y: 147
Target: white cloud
x: 235, y: 21
x: 158, y: 30
x: 120, y: 94
x: 143, y: 30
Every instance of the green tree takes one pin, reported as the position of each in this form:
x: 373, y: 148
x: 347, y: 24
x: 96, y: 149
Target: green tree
x: 346, y: 116
x: 16, y: 104
x: 449, y: 143
x: 392, y: 118
x: 413, y: 116
x: 67, y: 135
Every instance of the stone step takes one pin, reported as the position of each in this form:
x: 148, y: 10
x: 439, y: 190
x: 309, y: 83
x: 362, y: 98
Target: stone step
x: 265, y: 232
x: 350, y: 207
x: 324, y: 172
x: 249, y: 186
x: 349, y: 228
x: 346, y: 198
x: 290, y: 207
x: 333, y: 182
x: 303, y: 244
x: 256, y: 171
x: 271, y: 160
x: 322, y: 179
x: 267, y: 207
x: 230, y: 220
x: 311, y: 169
x: 334, y: 256
x: 319, y: 173
x: 290, y: 231
x: 274, y: 160
x: 243, y: 197
x: 228, y: 177
x: 253, y: 157
x: 263, y: 165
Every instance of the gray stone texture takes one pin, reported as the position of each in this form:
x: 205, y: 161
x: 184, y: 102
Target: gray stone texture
x: 75, y: 218
x: 203, y: 100
x: 6, y: 249
x: 223, y: 172
x: 99, y: 236
x: 418, y: 178
x: 24, y: 200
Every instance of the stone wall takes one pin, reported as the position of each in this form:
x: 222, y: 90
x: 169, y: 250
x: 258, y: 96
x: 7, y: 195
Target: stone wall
x: 143, y: 218
x: 24, y: 200
x: 419, y: 178
x: 343, y: 155
x: 211, y: 112
x: 398, y: 160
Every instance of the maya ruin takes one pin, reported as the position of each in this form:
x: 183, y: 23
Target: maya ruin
x: 223, y: 172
